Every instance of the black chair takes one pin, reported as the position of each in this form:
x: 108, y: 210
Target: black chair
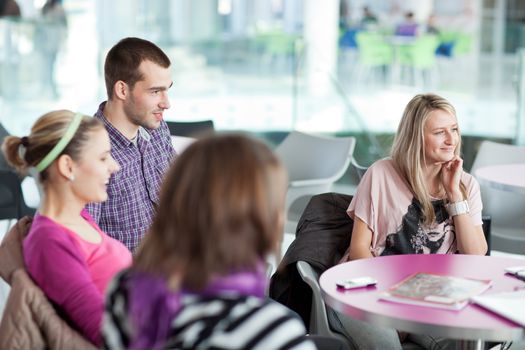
x: 12, y: 204
x: 3, y: 134
x: 322, y: 236
x: 487, y: 221
x: 328, y: 343
x: 195, y: 129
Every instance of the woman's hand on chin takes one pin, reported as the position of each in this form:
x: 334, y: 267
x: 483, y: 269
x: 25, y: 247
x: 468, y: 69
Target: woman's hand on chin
x: 450, y: 178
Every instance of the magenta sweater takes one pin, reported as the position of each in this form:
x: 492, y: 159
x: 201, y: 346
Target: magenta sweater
x: 72, y: 272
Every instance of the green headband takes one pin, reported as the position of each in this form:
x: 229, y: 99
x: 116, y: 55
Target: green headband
x: 59, y: 147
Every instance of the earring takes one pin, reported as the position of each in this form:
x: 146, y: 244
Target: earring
x: 72, y: 178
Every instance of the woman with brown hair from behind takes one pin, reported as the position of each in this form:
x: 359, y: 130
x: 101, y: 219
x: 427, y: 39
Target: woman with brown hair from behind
x: 198, y: 280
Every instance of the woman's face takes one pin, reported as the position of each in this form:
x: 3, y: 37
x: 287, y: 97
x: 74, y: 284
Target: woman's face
x: 441, y: 135
x: 94, y: 168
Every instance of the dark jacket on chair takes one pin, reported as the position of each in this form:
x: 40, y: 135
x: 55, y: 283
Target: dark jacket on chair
x: 321, y: 239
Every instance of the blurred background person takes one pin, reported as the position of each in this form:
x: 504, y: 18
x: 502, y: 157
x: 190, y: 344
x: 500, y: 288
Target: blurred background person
x: 9, y: 8
x: 409, y: 26
x: 431, y: 26
x: 369, y: 19
x: 51, y: 36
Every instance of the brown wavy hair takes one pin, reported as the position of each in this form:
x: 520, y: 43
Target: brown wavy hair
x: 221, y: 210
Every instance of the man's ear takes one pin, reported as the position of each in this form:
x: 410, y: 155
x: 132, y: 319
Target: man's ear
x: 65, y: 166
x: 121, y: 90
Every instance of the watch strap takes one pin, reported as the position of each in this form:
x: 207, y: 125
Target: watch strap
x: 457, y: 208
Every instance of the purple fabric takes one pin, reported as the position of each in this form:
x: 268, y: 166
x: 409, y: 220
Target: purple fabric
x: 133, y: 191
x: 153, y: 306
x: 407, y: 29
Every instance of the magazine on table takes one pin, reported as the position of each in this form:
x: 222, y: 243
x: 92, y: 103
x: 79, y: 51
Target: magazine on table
x: 440, y: 291
x: 510, y: 305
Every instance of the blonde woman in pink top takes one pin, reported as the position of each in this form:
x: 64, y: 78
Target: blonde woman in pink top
x: 417, y: 201
x: 65, y: 252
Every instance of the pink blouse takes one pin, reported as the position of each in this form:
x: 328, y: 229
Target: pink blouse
x: 72, y: 272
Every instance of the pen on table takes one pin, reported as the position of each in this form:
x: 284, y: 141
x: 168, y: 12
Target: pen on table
x: 520, y: 274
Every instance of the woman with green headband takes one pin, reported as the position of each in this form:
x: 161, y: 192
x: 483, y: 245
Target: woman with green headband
x: 65, y: 252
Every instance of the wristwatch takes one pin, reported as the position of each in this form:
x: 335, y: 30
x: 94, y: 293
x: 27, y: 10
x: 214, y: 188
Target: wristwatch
x: 457, y: 208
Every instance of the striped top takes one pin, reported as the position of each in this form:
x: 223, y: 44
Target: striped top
x: 225, y: 321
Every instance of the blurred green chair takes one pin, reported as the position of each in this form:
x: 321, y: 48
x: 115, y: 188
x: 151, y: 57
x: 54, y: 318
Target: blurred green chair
x: 463, y: 44
x: 421, y: 54
x: 419, y: 58
x: 373, y: 49
x: 280, y: 44
x: 276, y: 45
x: 454, y: 43
x: 374, y: 53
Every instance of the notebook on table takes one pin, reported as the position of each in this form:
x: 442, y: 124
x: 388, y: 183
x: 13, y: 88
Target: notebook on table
x: 510, y: 305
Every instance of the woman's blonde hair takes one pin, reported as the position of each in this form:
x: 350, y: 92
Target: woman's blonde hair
x: 408, y: 148
x: 45, y: 134
x: 221, y: 210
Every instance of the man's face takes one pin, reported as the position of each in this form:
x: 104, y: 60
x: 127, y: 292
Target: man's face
x: 149, y: 97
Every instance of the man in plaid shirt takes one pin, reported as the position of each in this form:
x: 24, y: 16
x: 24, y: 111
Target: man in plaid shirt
x: 138, y: 76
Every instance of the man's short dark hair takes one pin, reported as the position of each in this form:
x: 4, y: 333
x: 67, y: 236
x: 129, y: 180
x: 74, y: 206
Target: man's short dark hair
x: 123, y: 61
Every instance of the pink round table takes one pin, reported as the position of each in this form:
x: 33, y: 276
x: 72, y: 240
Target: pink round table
x: 506, y: 177
x: 472, y: 325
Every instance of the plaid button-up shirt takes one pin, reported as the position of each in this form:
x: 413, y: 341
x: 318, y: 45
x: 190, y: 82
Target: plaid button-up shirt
x: 133, y: 192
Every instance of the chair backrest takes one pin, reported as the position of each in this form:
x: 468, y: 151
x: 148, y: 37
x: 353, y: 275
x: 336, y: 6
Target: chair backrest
x: 373, y: 49
x: 487, y: 231
x: 324, y: 220
x: 322, y: 237
x: 461, y: 42
x: 313, y: 163
x: 196, y: 129
x: 3, y: 134
x: 180, y: 143
x: 12, y: 204
x: 10, y: 193
x: 421, y: 53
x: 318, y: 317
x: 493, y: 153
x: 317, y: 158
x: 360, y: 169
x: 505, y: 208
